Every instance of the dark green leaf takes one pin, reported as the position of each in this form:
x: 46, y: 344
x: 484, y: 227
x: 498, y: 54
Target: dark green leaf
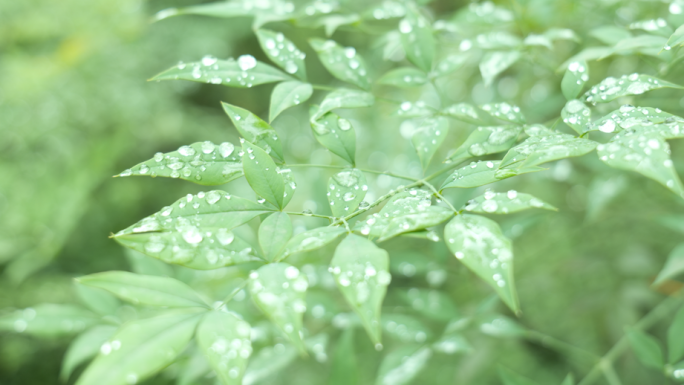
x: 225, y: 341
x: 346, y: 190
x: 274, y: 232
x: 282, y: 52
x: 647, y: 349
x: 288, y: 94
x: 255, y: 130
x: 343, y: 63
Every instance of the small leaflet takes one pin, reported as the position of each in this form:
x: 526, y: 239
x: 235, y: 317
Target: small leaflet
x: 49, y: 320
x: 402, y: 365
x: 343, y: 98
x: 311, y: 240
x: 263, y: 175
x: 286, y: 95
x: 282, y: 52
x: 84, y: 347
x: 635, y: 84
x: 342, y: 62
x: 404, y: 77
x: 673, y: 266
x: 346, y: 191
x: 255, y: 130
x: 494, y: 63
x: 230, y: 9
x: 415, y: 110
x: 576, y: 76
x: 335, y: 133
x: 576, y: 115
x: 504, y: 111
x: 646, y: 119
x: 467, y: 113
x: 417, y: 39
x: 484, y: 141
x: 224, y: 338
x: 429, y: 136
x: 647, y: 349
x: 505, y: 203
x: 481, y: 173
x: 536, y: 150
x: 274, y: 232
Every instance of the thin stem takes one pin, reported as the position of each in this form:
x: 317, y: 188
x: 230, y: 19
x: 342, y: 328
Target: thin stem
x: 360, y: 169
x: 440, y: 196
x: 308, y: 214
x: 235, y: 291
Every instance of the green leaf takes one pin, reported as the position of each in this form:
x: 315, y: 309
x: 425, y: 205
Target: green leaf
x: 195, y: 231
x: 282, y: 52
x: 405, y: 328
x: 499, y: 326
x: 647, y: 349
x: 224, y: 338
x: 97, y: 300
x: 451, y: 344
x: 335, y: 133
x: 538, y: 40
x: 635, y: 84
x: 591, y: 53
x: 263, y: 175
x: 288, y: 94
x: 344, y: 370
x: 332, y: 22
x: 84, y: 347
x: 278, y: 290
x: 48, y: 320
x: 227, y: 9
x: 576, y: 75
x: 404, y: 77
x: 576, y: 115
x: 268, y: 361
x: 505, y: 203
x: 536, y: 150
x: 505, y: 112
x: 610, y: 34
x: 494, y: 63
x: 405, y: 212
x: 311, y: 240
x: 675, y: 337
x: 141, y: 348
x: 450, y: 64
x: 143, y: 264
x: 361, y: 269
x: 569, y: 380
x: 673, y: 267
x: 644, y: 152
x: 415, y: 110
x: 346, y: 191
x: 145, y: 290
x: 431, y: 304
x: 641, y: 119
x: 467, y: 113
x: 677, y: 38
x: 274, y: 232
x: 343, y: 63
x: 644, y: 44
x: 429, y: 137
x: 417, y: 39
x: 203, y: 163
x: 244, y: 72
x: 481, y: 173
x: 486, y: 140
x: 509, y: 377
x: 343, y: 98
x: 402, y: 365
x: 255, y: 130
x: 479, y: 244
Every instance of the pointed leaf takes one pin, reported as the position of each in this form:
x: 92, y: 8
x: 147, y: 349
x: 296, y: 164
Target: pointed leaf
x: 432, y: 304
x: 450, y: 64
x: 505, y: 203
x: 402, y: 365
x: 673, y: 266
x: 141, y: 348
x: 417, y: 39
x: 332, y: 22
x: 84, y: 347
x: 494, y: 63
x: 336, y: 134
x: 505, y: 112
x: 244, y: 72
x: 610, y: 34
x: 536, y: 150
x: 225, y: 341
x: 644, y: 152
x: 647, y: 349
x: 226, y: 9
x: 429, y: 137
x: 644, y: 119
x: 278, y: 289
x: 467, y: 113
x: 404, y: 77
x: 262, y: 174
x: 288, y: 94
x: 255, y: 130
x: 48, y: 320
x: 677, y: 38
x: 343, y: 98
x: 274, y: 232
x: 451, y: 344
x: 344, y: 369
x: 481, y: 173
x: 346, y: 190
x: 635, y: 84
x: 361, y: 271
x: 479, y: 244
x: 486, y: 140
x: 576, y: 115
x: 282, y: 52
x: 267, y: 362
x: 203, y: 163
x: 146, y: 290
x: 675, y: 337
x: 574, y: 79
x: 97, y: 300
x: 343, y: 63
x: 501, y: 327
x: 311, y: 240
x: 415, y: 110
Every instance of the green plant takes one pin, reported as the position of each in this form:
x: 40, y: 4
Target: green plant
x: 339, y: 250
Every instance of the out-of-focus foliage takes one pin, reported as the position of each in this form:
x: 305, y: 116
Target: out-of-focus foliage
x: 527, y: 90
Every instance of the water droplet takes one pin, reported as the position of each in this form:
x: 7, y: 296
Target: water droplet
x: 246, y: 62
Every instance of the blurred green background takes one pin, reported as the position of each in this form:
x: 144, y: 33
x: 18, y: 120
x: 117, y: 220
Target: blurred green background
x: 75, y: 109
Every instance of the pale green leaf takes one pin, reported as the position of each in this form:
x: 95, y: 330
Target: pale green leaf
x: 677, y: 38
x: 576, y: 115
x: 641, y: 119
x: 343, y: 98
x: 389, y: 9
x: 501, y: 327
x: 97, y: 300
x: 481, y: 173
x: 48, y: 320
x: 561, y: 34
x: 496, y: 40
x: 494, y: 63
x: 591, y: 53
x: 346, y: 190
x: 225, y: 9
x: 538, y: 40
x: 432, y: 304
x: 288, y: 94
x: 644, y: 44
x: 467, y: 113
x: 311, y: 240
x: 146, y: 290
x: 402, y: 365
x: 505, y: 112
x: 644, y: 152
x: 84, y: 347
x: 343, y: 63
x: 415, y: 110
x: 610, y: 34
x: 244, y: 72
x: 450, y: 64
x: 546, y: 147
x: 479, y: 244
x: 486, y: 13
x: 657, y: 26
x: 576, y: 76
x: 282, y: 52
x: 404, y: 328
x: 673, y: 266
x: 484, y: 141
x: 647, y: 349
x: 279, y: 290
x: 361, y: 269
x: 675, y: 337
x: 141, y: 348
x: 274, y: 232
x: 344, y: 370
x: 428, y: 235
x: 417, y: 39
x: 509, y: 377
x: 263, y: 175
x: 333, y: 22
x: 267, y: 362
x: 505, y: 203
x: 192, y: 368
x: 203, y: 163
x: 225, y: 341
x: 404, y: 77
x: 452, y: 343
x: 335, y: 133
x: 255, y: 130
x: 429, y: 136
x: 635, y: 84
